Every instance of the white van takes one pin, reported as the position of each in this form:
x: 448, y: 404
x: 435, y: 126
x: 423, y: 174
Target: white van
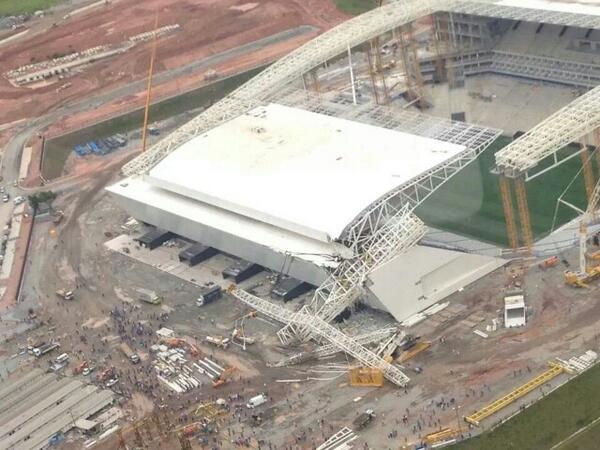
x: 256, y: 401
x: 62, y: 358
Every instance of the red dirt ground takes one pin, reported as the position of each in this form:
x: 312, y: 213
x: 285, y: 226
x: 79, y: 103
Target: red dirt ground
x: 207, y: 27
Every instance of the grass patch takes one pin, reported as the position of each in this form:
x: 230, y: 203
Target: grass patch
x: 586, y: 440
x: 470, y: 203
x: 548, y: 421
x: 58, y: 150
x: 356, y: 7
x: 14, y: 7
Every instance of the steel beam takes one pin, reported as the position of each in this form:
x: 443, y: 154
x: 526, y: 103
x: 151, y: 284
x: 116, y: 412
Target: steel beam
x: 327, y: 332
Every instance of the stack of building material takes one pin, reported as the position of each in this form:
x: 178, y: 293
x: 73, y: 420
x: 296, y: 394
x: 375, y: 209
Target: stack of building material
x: 340, y: 440
x: 581, y: 363
x: 173, y: 371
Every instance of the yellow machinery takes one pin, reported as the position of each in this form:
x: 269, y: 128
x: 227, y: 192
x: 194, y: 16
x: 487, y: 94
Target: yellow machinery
x: 224, y: 377
x: 485, y: 412
x: 414, y: 351
x: 365, y: 377
x: 445, y: 434
x: 149, y: 90
x: 586, y: 272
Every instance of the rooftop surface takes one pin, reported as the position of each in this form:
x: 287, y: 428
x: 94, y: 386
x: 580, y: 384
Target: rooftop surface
x: 574, y: 7
x: 297, y: 170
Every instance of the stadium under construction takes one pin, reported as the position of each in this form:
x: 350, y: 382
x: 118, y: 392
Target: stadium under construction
x: 352, y: 162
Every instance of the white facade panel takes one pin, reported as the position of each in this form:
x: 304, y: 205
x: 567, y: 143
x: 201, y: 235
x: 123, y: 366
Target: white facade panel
x: 424, y: 276
x: 252, y: 241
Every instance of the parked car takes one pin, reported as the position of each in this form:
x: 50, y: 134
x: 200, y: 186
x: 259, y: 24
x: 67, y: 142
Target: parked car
x: 5, y: 198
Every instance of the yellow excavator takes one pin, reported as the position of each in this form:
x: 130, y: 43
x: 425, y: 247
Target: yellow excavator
x: 587, y: 272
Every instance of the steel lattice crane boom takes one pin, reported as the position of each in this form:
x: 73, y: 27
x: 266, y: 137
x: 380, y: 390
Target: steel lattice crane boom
x: 585, y: 273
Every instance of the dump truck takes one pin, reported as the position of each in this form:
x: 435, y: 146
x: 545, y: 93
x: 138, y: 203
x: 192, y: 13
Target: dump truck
x: 364, y: 419
x: 46, y: 348
x: 131, y: 355
x: 148, y: 296
x: 65, y: 294
x: 209, y: 295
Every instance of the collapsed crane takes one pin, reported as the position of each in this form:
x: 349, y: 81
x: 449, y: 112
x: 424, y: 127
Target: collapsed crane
x: 325, y: 331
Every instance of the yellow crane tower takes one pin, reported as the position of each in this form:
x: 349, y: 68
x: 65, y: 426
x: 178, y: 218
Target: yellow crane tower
x: 149, y: 90
x: 586, y: 273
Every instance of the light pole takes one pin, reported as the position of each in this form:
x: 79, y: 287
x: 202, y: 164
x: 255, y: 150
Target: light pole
x: 456, y: 408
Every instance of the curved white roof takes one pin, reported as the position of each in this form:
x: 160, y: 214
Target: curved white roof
x: 301, y: 171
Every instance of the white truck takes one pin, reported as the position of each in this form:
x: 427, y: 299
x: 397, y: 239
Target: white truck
x: 46, y: 348
x: 256, y: 401
x: 131, y: 355
x: 148, y: 296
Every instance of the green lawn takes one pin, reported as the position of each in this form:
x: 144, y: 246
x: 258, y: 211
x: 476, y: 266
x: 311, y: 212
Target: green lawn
x: 586, y: 440
x: 13, y: 7
x: 549, y: 421
x: 58, y: 150
x: 470, y: 204
x: 355, y: 7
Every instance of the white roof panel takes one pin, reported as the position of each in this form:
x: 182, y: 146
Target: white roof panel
x: 589, y: 7
x: 298, y: 170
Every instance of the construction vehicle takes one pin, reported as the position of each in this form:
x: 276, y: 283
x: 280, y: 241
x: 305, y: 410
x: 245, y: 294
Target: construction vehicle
x: 224, y: 377
x: 148, y: 296
x: 80, y: 368
x: 219, y: 341
x: 409, y: 342
x: 364, y: 419
x: 548, y: 262
x: 65, y: 294
x: 586, y: 273
x: 237, y: 335
x: 131, y: 355
x: 46, y: 348
x: 173, y: 342
x: 256, y: 401
x: 209, y: 295
x: 414, y: 350
x: 106, y: 374
x: 180, y: 343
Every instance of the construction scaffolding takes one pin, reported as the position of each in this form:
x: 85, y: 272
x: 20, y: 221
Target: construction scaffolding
x: 376, y: 72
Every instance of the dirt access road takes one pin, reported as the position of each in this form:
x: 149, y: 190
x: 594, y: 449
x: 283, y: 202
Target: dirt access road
x: 207, y: 28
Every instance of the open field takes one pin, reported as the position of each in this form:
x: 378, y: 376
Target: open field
x: 585, y: 440
x: 224, y: 26
x: 355, y: 6
x: 12, y: 7
x: 58, y: 150
x: 477, y: 207
x: 550, y: 420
